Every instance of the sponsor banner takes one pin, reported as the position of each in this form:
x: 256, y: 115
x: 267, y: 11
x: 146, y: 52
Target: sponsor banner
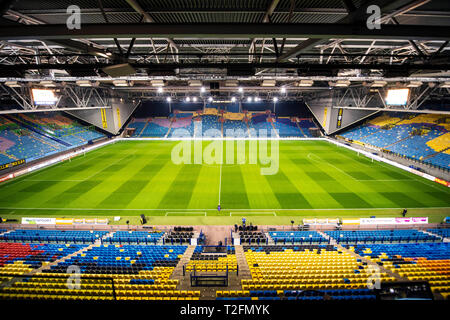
x: 91, y: 221
x: 38, y: 220
x: 339, y: 118
x: 377, y: 221
x: 370, y: 221
x: 78, y: 221
x: 412, y: 220
x: 417, y: 172
x: 103, y: 222
x: 324, y: 117
x: 350, y: 221
x: 104, y: 121
x: 118, y: 118
x: 429, y: 177
x: 357, y: 142
x: 321, y: 221
x: 12, y: 164
x: 422, y: 174
x: 64, y: 221
x: 5, y: 178
x: 443, y: 182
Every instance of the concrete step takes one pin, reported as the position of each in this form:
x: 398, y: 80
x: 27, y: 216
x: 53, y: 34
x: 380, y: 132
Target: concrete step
x: 330, y: 239
x: 436, y: 235
x: 244, y: 270
x: 178, y: 271
x: 373, y: 264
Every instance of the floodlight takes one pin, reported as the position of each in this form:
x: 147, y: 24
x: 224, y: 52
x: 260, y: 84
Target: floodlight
x: 397, y: 97
x: 43, y: 97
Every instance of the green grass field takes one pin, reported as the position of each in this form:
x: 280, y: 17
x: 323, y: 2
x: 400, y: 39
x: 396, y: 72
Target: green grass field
x: 315, y: 179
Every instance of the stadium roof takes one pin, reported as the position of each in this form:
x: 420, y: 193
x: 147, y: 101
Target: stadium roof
x: 213, y: 40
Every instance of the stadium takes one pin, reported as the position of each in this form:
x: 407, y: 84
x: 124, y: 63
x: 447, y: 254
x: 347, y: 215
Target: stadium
x: 272, y: 151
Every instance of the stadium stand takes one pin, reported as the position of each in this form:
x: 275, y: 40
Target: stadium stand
x: 422, y: 137
x: 126, y: 266
x: 150, y: 127
x: 211, y: 127
x: 440, y: 232
x: 253, y: 237
x: 182, y: 125
x: 138, y: 124
x: 216, y: 262
x: 138, y: 272
x: 156, y: 127
x: 306, y: 125
x: 287, y: 128
x: 33, y: 136
x: 19, y: 258
x: 259, y: 125
x: 235, y: 128
x: 54, y: 124
x: 381, y: 236
x: 297, y: 237
x: 418, y: 261
x: 48, y: 236
x: 278, y: 272
x: 215, y: 124
x: 135, y: 237
x: 179, y: 236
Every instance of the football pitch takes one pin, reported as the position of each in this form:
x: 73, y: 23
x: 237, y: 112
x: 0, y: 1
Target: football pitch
x: 314, y: 179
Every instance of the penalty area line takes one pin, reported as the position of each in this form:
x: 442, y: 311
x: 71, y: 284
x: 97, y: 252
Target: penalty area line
x: 253, y: 213
x: 181, y: 213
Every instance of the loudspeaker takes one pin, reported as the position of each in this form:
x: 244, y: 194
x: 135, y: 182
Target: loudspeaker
x: 214, y: 85
x: 325, y: 71
x: 82, y: 72
x: 236, y: 71
x: 119, y: 70
x: 162, y: 72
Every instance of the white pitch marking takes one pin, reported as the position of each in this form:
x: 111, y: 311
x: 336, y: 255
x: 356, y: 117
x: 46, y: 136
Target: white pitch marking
x: 254, y: 213
x: 184, y: 212
x: 309, y: 154
x: 249, y: 210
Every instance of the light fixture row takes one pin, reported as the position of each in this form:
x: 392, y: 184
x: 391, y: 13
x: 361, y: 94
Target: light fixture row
x: 233, y: 99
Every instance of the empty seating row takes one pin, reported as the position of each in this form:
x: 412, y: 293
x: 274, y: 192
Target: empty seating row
x: 373, y: 236
x: 414, y: 262
x: 441, y: 232
x: 62, y: 236
x: 297, y: 236
x: 135, y: 237
x: 33, y: 255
